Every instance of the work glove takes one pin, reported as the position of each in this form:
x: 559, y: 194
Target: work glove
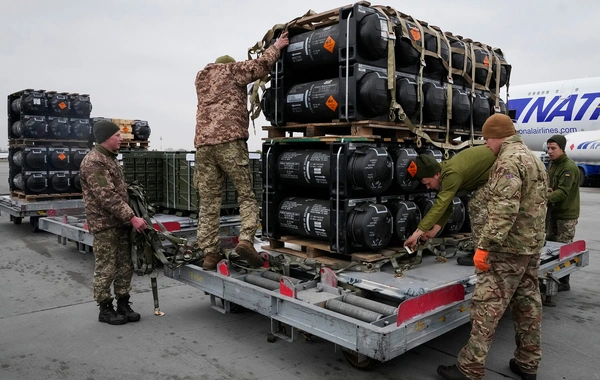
x: 480, y: 260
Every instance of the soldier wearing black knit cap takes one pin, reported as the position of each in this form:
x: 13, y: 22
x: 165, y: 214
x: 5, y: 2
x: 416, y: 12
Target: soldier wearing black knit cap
x: 110, y: 220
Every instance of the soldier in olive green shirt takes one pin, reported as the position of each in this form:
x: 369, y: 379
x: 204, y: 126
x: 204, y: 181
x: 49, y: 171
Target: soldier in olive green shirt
x: 563, y: 200
x: 465, y: 172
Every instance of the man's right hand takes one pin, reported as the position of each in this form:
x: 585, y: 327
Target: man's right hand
x: 138, y: 223
x: 282, y: 41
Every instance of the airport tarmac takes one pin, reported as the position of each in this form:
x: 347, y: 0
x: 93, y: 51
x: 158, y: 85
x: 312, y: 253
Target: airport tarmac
x: 49, y: 326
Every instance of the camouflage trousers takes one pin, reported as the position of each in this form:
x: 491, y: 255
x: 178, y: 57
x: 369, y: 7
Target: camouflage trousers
x: 562, y: 231
x: 512, y: 280
x: 113, y: 264
x: 478, y: 213
x: 213, y: 164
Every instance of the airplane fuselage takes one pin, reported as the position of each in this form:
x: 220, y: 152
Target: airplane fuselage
x: 562, y: 107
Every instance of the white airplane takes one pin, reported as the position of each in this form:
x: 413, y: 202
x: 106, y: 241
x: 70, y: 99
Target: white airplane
x: 570, y: 108
x: 550, y: 108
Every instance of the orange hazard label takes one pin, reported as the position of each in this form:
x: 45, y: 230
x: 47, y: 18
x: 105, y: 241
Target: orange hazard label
x: 125, y: 129
x: 62, y: 105
x: 329, y: 44
x: 486, y: 61
x: 412, y: 169
x: 415, y: 33
x: 62, y: 156
x: 331, y: 103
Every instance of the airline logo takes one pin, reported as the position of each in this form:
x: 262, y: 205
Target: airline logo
x: 534, y: 114
x: 546, y: 109
x: 595, y: 144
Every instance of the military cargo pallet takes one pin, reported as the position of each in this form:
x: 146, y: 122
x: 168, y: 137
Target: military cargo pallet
x: 320, y: 251
x: 134, y: 144
x: 358, y: 131
x: 47, y: 142
x: 44, y: 197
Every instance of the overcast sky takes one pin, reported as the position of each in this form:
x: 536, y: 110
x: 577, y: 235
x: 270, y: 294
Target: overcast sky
x: 138, y: 59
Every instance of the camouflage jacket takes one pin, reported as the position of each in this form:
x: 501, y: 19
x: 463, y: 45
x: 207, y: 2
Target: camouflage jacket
x: 518, y: 199
x: 104, y: 191
x: 222, y: 114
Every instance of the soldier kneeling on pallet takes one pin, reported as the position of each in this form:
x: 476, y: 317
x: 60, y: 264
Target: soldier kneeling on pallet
x: 467, y: 171
x: 110, y: 220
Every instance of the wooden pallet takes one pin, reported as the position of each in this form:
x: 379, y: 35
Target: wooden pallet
x: 134, y: 144
x: 44, y: 197
x: 355, y: 131
x: 319, y: 251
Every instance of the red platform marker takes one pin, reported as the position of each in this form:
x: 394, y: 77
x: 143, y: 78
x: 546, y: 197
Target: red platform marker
x: 429, y: 301
x: 223, y: 268
x: 286, y: 287
x: 169, y: 226
x: 571, y: 249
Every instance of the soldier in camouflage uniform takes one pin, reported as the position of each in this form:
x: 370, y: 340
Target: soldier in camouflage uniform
x: 465, y: 172
x: 563, y: 200
x: 109, y: 219
x: 508, y: 257
x: 221, y: 149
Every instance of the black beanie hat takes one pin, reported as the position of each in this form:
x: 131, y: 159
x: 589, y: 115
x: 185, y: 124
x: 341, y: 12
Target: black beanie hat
x: 104, y: 129
x: 427, y: 166
x: 560, y: 140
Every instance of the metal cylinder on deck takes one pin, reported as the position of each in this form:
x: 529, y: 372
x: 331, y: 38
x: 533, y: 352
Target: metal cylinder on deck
x: 277, y: 276
x: 405, y: 168
x: 407, y: 217
x: 457, y: 218
x: 308, y: 167
x: 59, y: 158
x: 314, y: 48
x: 368, y: 304
x: 60, y: 182
x: 371, y: 169
x: 305, y: 216
x: 58, y: 127
x: 370, y: 225
x: 257, y: 280
x: 313, y: 101
x: 352, y: 311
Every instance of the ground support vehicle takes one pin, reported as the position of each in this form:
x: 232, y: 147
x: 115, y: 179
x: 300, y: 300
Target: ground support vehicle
x: 19, y: 209
x: 372, y: 316
x: 74, y: 228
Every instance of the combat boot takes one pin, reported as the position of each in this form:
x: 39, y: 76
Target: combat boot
x: 124, y: 309
x: 451, y: 372
x: 247, y: 252
x: 109, y: 315
x: 465, y: 260
x: 211, y: 260
x: 514, y: 367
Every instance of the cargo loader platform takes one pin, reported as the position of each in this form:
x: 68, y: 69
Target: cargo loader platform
x: 373, y: 317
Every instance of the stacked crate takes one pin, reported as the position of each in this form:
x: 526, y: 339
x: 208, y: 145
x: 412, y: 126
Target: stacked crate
x: 179, y: 192
x: 145, y: 168
x: 135, y: 133
x: 359, y: 81
x: 48, y: 134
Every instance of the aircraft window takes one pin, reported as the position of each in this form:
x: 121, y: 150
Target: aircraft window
x: 576, y: 89
x: 556, y: 91
x: 547, y: 92
x: 529, y: 93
